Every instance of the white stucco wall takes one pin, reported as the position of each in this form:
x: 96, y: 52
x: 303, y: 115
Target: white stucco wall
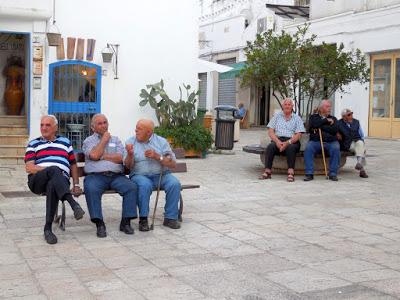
x: 372, y: 32
x: 158, y: 39
x: 325, y: 8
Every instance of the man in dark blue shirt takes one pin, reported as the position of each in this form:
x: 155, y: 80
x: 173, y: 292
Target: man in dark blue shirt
x: 351, y: 138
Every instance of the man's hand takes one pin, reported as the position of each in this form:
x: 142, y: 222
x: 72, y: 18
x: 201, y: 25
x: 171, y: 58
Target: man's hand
x: 284, y: 146
x: 331, y: 121
x: 106, y: 137
x: 339, y: 136
x: 76, y: 191
x: 31, y: 168
x: 129, y: 149
x: 152, y: 154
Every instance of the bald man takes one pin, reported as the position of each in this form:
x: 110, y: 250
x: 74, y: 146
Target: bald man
x: 329, y: 128
x: 147, y: 156
x: 104, y: 170
x: 49, y: 162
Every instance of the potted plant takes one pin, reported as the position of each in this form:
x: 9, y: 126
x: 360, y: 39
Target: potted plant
x: 178, y: 120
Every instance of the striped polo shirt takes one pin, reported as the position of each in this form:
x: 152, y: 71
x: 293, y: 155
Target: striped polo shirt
x: 46, y: 153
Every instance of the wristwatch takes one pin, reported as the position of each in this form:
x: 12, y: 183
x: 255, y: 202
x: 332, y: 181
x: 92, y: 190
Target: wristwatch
x: 161, y: 158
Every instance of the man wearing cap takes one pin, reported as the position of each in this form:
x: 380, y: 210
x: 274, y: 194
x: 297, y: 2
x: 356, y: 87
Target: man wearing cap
x: 351, y: 138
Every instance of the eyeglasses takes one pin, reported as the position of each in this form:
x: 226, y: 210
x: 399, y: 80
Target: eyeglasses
x: 349, y: 114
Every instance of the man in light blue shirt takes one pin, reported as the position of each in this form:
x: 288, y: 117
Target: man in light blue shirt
x: 148, y: 156
x: 284, y: 129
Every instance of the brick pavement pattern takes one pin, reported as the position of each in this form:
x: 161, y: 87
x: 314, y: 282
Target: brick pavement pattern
x: 242, y: 238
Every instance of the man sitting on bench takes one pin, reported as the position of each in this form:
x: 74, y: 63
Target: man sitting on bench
x: 104, y: 171
x: 284, y: 129
x: 322, y: 121
x: 147, y: 156
x: 49, y: 162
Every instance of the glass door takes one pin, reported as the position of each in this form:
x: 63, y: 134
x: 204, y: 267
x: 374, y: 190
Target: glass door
x: 384, y: 77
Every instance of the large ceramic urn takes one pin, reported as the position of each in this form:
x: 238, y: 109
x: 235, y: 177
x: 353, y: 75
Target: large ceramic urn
x: 14, y: 92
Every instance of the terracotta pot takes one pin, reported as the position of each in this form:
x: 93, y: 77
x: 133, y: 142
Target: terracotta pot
x: 14, y: 94
x: 192, y: 153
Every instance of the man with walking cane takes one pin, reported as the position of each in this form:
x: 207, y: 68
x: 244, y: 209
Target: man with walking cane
x: 148, y: 157
x: 323, y: 128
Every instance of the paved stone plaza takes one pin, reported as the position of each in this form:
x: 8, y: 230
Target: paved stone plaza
x: 241, y: 238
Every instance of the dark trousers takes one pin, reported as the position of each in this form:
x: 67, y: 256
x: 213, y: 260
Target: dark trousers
x: 289, y: 152
x: 54, y: 184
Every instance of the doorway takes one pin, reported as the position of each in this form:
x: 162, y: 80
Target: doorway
x: 384, y: 117
x: 14, y: 73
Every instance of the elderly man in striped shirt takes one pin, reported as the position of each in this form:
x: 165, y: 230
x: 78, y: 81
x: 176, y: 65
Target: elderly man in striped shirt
x: 284, y: 129
x: 49, y: 162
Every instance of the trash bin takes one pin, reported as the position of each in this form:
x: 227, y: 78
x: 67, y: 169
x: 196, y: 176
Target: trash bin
x: 225, y: 127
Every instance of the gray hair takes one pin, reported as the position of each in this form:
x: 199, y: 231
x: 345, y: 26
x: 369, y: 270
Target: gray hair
x: 323, y: 102
x: 288, y: 100
x: 95, y: 117
x: 53, y: 117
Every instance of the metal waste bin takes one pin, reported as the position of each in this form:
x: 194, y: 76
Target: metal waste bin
x: 225, y: 127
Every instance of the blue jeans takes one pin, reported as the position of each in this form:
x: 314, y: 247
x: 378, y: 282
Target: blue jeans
x: 96, y: 184
x: 332, y: 148
x: 169, y: 183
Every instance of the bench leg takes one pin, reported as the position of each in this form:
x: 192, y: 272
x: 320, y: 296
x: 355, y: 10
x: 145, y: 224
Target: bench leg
x: 60, y: 220
x: 180, y: 208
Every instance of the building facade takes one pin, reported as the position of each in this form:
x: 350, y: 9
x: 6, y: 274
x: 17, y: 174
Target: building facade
x: 225, y: 27
x: 374, y: 28
x: 75, y: 82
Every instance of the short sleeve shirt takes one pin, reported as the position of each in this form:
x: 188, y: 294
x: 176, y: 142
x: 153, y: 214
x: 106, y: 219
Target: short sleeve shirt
x: 148, y: 166
x: 114, y: 146
x: 46, y: 153
x: 286, y: 128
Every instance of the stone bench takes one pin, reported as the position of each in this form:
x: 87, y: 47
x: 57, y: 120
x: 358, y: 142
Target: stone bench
x: 280, y: 163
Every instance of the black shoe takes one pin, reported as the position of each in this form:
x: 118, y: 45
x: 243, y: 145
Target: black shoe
x: 333, y: 178
x: 308, y: 178
x: 126, y: 227
x: 50, y: 237
x: 363, y: 174
x: 78, y: 212
x: 101, y: 230
x: 144, y: 225
x: 174, y: 224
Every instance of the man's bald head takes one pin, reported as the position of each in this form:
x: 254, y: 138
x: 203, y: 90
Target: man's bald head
x: 144, y: 130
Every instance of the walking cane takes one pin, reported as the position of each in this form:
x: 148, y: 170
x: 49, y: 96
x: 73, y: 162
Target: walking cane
x: 155, y: 204
x: 323, y: 152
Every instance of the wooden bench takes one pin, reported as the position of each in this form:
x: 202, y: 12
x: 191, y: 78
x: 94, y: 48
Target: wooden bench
x: 180, y: 168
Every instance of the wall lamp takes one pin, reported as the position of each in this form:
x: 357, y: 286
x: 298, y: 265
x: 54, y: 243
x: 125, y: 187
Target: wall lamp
x: 108, y: 54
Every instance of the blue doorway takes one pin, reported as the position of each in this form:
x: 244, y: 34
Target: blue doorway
x: 74, y: 97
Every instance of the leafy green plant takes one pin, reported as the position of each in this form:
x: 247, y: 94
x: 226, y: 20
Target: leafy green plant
x: 170, y: 113
x: 194, y: 137
x: 295, y: 67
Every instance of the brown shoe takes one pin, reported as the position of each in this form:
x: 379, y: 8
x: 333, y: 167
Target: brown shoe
x: 363, y: 174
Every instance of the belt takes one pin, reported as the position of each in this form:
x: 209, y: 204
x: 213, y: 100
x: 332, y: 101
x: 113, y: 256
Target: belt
x: 106, y: 173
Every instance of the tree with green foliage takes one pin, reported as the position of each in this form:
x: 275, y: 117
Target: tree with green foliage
x: 294, y: 66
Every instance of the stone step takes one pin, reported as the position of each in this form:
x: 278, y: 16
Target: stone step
x: 11, y: 160
x: 13, y: 129
x: 13, y: 120
x: 14, y: 139
x: 12, y: 150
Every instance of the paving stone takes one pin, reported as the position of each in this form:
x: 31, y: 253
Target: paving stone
x: 241, y: 238
x: 22, y: 286
x: 304, y: 280
x: 351, y: 292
